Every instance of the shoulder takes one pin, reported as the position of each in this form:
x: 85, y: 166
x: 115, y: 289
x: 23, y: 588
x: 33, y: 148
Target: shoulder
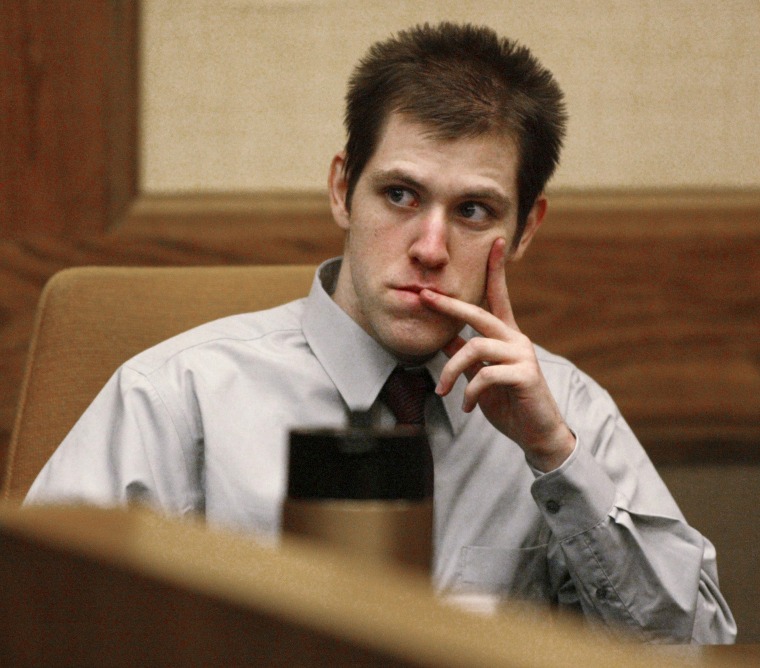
x: 592, y: 414
x: 235, y: 332
x: 569, y: 384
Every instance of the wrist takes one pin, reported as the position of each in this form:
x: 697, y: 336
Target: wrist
x: 554, y: 453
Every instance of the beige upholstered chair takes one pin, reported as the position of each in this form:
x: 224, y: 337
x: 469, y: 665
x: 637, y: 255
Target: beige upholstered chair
x: 90, y: 320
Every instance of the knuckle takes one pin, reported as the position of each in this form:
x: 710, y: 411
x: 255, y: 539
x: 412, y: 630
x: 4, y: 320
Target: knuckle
x: 487, y: 374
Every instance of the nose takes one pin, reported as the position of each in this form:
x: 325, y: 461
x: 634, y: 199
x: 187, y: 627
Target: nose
x: 430, y: 245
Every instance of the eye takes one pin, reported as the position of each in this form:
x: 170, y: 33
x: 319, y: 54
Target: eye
x: 474, y: 212
x: 400, y: 196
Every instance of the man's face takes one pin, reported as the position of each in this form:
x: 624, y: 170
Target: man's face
x: 425, y: 214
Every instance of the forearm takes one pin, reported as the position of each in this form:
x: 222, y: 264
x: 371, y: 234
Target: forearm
x: 648, y: 573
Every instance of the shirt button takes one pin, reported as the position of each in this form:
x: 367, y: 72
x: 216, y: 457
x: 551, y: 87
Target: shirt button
x: 602, y: 593
x: 552, y: 506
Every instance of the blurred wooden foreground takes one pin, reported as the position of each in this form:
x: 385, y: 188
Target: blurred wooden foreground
x: 83, y: 586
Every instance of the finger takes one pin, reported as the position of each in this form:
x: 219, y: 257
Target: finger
x: 450, y: 350
x: 497, y: 293
x: 470, y: 358
x: 502, y: 375
x: 478, y: 318
x: 453, y: 346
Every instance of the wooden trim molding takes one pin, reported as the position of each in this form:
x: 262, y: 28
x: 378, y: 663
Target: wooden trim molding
x: 122, y: 102
x: 298, y: 226
x: 600, y: 213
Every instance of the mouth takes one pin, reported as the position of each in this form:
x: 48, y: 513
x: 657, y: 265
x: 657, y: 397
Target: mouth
x: 416, y: 289
x: 409, y: 303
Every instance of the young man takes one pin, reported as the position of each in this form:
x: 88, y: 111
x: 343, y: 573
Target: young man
x: 541, y: 490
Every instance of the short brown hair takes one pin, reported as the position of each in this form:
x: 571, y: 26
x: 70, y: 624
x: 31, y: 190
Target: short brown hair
x: 460, y: 81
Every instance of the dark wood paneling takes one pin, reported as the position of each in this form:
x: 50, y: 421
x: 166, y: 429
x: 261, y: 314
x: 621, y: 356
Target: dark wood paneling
x: 663, y: 313
x: 669, y: 325
x: 69, y: 114
x: 656, y: 295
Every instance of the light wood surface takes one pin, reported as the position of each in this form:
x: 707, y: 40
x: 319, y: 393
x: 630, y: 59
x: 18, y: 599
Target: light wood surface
x: 84, y: 586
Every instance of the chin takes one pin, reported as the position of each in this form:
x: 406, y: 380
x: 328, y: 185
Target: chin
x: 416, y: 343
x: 414, y: 355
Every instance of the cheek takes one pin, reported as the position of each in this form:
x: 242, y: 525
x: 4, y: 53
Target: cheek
x: 471, y: 260
x: 368, y: 226
x: 472, y: 254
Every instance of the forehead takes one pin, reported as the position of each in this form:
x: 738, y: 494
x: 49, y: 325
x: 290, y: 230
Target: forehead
x: 405, y: 145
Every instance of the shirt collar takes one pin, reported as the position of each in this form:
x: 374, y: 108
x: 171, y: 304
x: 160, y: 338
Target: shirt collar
x: 356, y: 363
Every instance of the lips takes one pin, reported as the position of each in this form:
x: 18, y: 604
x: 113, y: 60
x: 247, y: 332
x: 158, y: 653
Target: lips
x: 407, y: 299
x: 419, y: 288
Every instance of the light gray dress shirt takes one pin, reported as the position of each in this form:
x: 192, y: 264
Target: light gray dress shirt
x: 199, y: 424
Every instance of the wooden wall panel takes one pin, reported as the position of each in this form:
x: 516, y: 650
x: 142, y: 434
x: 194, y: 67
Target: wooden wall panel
x: 657, y: 296
x: 68, y: 151
x: 663, y: 313
x: 69, y: 112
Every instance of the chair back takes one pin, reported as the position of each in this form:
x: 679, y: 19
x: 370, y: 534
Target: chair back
x: 92, y: 319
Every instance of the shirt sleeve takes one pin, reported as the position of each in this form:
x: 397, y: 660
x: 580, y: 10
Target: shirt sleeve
x: 128, y: 447
x: 632, y: 560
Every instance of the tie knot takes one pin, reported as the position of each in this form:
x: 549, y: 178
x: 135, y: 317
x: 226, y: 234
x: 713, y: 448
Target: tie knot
x: 404, y: 393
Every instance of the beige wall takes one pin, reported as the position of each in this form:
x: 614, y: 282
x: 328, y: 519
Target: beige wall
x: 247, y: 94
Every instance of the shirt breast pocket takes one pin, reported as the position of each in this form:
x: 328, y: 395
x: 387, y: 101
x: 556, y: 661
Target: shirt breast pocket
x: 520, y: 573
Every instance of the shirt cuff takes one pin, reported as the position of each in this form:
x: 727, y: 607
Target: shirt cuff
x: 565, y: 464
x: 575, y: 497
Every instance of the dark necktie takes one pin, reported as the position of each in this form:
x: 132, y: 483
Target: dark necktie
x: 404, y: 393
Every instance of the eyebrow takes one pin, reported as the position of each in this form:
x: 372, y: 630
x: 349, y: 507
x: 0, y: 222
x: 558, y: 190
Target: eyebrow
x: 380, y: 176
x: 396, y: 175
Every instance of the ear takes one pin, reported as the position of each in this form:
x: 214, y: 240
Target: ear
x: 535, y: 218
x: 338, y: 187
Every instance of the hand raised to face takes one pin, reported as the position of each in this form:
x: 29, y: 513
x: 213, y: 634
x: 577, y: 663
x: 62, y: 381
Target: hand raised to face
x: 504, y: 377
